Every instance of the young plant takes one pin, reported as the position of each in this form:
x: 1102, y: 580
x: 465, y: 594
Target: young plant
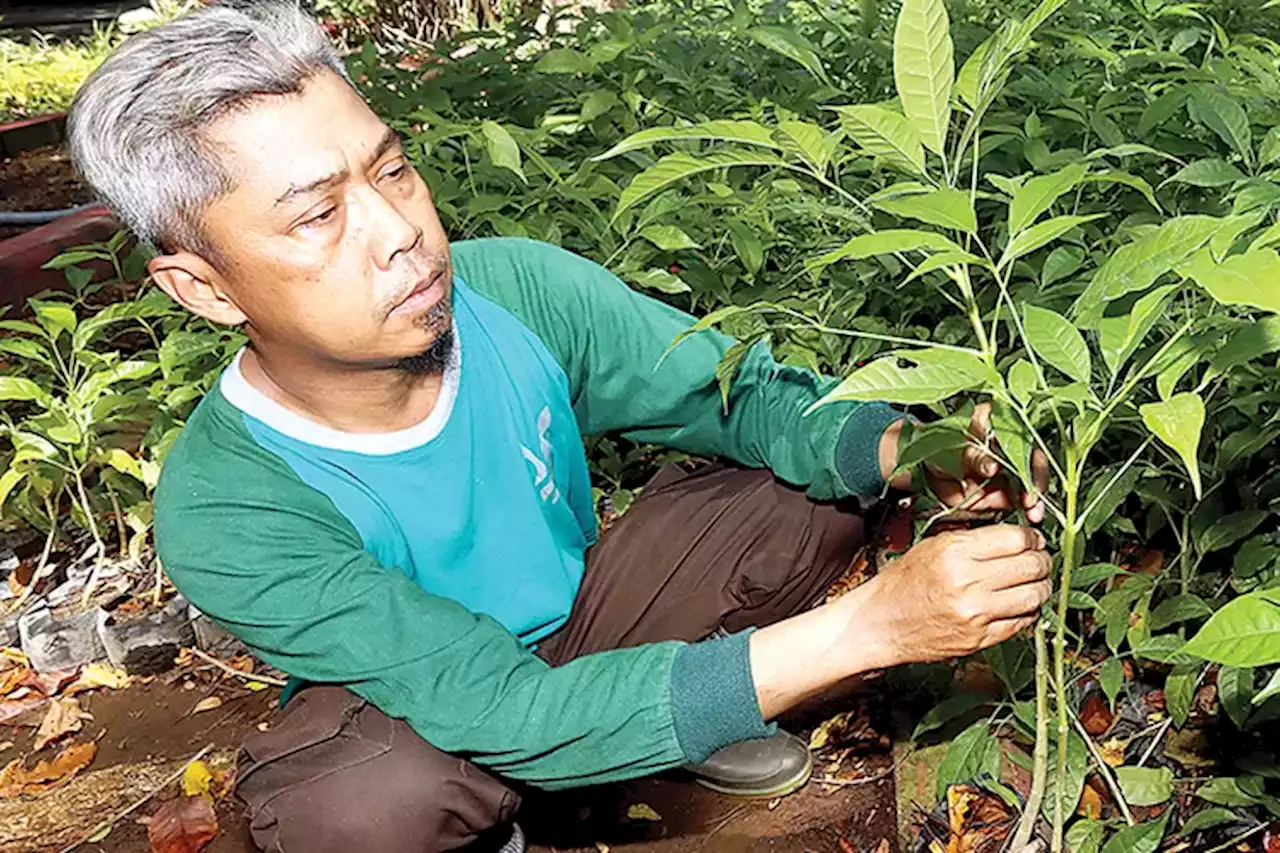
x: 1086, y: 327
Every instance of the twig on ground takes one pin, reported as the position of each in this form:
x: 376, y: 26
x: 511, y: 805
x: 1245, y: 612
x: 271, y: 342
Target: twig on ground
x: 119, y: 816
x: 1244, y: 836
x: 1104, y: 769
x: 247, y: 676
x: 1164, y: 727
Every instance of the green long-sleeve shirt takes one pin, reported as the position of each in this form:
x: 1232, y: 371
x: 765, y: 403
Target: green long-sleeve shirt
x: 421, y: 567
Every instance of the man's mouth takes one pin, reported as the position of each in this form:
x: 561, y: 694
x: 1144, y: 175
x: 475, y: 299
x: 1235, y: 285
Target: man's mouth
x: 426, y: 293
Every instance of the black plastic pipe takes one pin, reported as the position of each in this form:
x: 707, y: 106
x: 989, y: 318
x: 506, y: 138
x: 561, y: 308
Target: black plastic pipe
x: 38, y: 217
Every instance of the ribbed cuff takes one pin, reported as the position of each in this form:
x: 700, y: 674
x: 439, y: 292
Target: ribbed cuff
x: 858, y: 447
x: 713, y: 696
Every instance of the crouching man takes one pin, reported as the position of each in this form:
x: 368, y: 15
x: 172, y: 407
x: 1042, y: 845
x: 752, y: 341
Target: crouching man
x: 386, y: 493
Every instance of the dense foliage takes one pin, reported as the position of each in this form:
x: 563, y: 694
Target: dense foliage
x: 1065, y: 209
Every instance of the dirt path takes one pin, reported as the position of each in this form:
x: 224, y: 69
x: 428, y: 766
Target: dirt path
x: 147, y: 731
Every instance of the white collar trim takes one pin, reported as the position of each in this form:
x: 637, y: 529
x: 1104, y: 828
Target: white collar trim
x: 256, y: 404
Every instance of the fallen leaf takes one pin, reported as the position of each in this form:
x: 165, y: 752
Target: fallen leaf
x: 1095, y: 715
x: 100, y: 833
x: 1090, y: 804
x: 1112, y: 751
x: 1206, y: 697
x: 182, y: 825
x: 11, y: 678
x: 46, y: 775
x: 1272, y: 842
x: 208, y: 703
x: 242, y: 663
x: 643, y: 811
x: 255, y: 686
x: 97, y: 675
x: 846, y: 847
x: 12, y: 709
x: 1188, y: 747
x: 63, y: 717
x: 51, y: 683
x: 196, y: 779
x: 5, y: 745
x: 883, y: 846
x: 602, y: 847
x: 840, y: 729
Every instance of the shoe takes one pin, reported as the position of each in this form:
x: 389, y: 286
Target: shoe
x: 757, y: 769
x: 515, y: 844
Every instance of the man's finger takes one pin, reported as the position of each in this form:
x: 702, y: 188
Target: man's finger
x: 1005, y: 629
x: 1002, y: 540
x: 1027, y: 567
x: 979, y: 462
x: 1020, y: 601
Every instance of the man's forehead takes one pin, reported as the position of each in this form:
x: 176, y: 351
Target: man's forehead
x: 278, y: 142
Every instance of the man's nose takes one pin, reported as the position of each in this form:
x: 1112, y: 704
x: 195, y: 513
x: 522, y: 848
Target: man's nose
x: 390, y: 231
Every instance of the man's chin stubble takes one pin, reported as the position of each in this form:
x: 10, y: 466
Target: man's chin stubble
x: 435, y: 357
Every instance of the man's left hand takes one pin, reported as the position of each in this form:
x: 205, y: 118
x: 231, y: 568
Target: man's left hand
x: 983, y: 489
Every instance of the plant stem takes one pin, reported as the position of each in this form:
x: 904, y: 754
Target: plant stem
x: 1040, y: 757
x: 1070, y: 557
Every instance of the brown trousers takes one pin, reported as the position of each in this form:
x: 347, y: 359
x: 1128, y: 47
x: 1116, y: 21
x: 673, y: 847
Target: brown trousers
x: 721, y: 549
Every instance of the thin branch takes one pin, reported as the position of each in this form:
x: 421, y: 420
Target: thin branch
x: 1103, y: 768
x: 111, y: 822
x: 1115, y: 479
x: 247, y: 676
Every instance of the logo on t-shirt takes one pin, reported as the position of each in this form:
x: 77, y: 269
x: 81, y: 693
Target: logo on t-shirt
x: 544, y: 474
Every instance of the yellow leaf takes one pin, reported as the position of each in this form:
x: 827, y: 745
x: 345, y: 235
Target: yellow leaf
x: 100, y: 833
x: 643, y: 811
x: 255, y: 686
x: 1113, y: 750
x: 208, y: 703
x: 196, y: 779
x: 103, y: 675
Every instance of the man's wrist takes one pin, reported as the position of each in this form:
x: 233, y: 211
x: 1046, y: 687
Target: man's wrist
x: 889, y: 440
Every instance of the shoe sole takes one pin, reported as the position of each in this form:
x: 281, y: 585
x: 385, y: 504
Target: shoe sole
x: 790, y: 786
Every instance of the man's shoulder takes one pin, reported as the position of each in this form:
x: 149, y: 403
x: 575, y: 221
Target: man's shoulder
x: 512, y: 269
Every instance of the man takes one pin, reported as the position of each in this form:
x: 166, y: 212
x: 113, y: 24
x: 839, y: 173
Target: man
x: 386, y: 494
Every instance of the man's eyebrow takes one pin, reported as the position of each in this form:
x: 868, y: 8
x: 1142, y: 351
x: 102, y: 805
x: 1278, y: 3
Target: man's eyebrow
x: 389, y: 140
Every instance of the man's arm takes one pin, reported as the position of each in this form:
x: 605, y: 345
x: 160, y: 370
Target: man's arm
x: 611, y: 342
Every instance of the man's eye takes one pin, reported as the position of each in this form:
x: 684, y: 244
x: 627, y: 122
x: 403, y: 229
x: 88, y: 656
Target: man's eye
x: 398, y: 172
x: 322, y: 217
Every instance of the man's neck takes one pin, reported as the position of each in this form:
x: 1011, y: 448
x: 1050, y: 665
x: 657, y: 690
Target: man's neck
x: 355, y: 401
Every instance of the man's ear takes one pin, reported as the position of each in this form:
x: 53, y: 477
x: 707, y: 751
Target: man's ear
x: 194, y: 284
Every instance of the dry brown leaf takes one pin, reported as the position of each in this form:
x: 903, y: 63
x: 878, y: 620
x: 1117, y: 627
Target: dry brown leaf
x: 242, y: 663
x: 1113, y: 750
x: 183, y: 825
x: 883, y: 846
x: 63, y: 717
x: 11, y: 678
x: 959, y: 799
x: 1095, y: 715
x: 1090, y: 803
x: 46, y: 775
x: 208, y: 703
x: 12, y: 711
x: 840, y: 729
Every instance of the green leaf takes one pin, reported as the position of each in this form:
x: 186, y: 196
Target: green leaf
x: 884, y: 134
x: 563, y: 60
x: 946, y: 711
x: 1225, y: 791
x: 1111, y: 679
x: 181, y: 348
x: 1269, y: 148
x: 1077, y: 769
x: 27, y: 348
x: 55, y: 317
x: 660, y: 280
x: 785, y: 41
x: 969, y: 81
x: 1244, y: 345
x: 1119, y: 337
x: 924, y: 69
x: 1178, y: 422
x: 1061, y: 263
x: 946, y: 207
x: 808, y: 140
x: 677, y: 167
x: 1023, y: 381
x: 740, y: 132
x: 1085, y: 836
x: 1224, y: 116
x: 502, y: 147
x: 886, y: 381
x: 1269, y: 691
x: 1180, y: 691
x: 1038, y: 195
x: 1269, y: 237
x: 1136, y: 266
x: 1013, y: 662
x: 1058, y: 342
x: 1208, y: 819
x: 1230, y: 529
x: 1255, y: 556
x: 1041, y: 235
x: 973, y: 753
x: 1235, y: 692
x: 125, y: 371
x: 1014, y: 439
x: 747, y: 245
x: 597, y: 104
x: 1119, y: 176
x: 9, y: 481
x: 1145, y: 786
x: 18, y: 388
x: 1207, y: 173
x: 1244, y: 632
x: 727, y: 369
x: 941, y: 443
x: 1143, y: 838
x: 1179, y: 608
x: 944, y: 261
x: 1250, y: 279
x: 668, y: 238
x: 75, y: 256
x: 887, y: 243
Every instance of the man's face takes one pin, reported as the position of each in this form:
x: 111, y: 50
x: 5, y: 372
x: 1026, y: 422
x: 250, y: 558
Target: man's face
x: 329, y: 243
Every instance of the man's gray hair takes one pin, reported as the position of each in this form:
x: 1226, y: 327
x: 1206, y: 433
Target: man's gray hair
x: 137, y: 125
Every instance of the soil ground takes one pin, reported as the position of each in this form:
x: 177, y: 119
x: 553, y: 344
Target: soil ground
x: 39, y: 179
x: 148, y: 730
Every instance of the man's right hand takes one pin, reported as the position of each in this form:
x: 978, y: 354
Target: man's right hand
x: 947, y: 597
x: 956, y: 593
